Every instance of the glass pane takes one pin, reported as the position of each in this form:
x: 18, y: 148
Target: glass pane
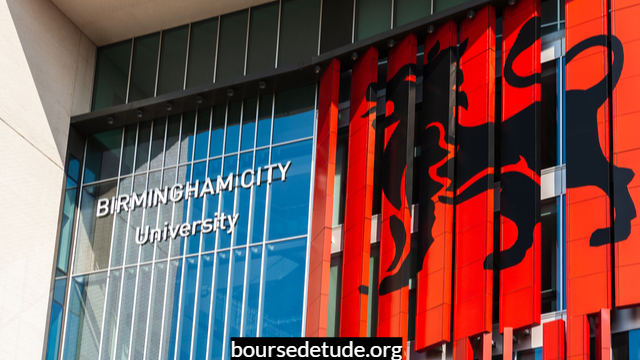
x: 202, y: 312
x: 174, y: 282
x: 233, y: 127
x: 143, y: 67
x: 233, y: 42
x: 55, y: 321
x: 337, y: 22
x: 196, y: 206
x: 166, y: 211
x: 549, y: 11
x: 549, y: 121
x: 211, y: 205
x: 111, y: 315
x: 112, y: 74
x: 445, y: 4
x: 126, y: 313
x: 217, y: 130
x: 135, y: 221
x: 340, y: 178
x: 411, y: 10
x: 202, y: 52
x: 94, y: 233
x: 621, y: 345
x: 144, y: 139
x: 227, y: 199
x: 188, y: 303
x: 259, y: 199
x: 66, y: 229
x: 549, y: 251
x: 151, y: 220
x: 219, y: 306
x: 333, y: 313
x: 156, y: 309
x: 129, y: 149
x: 289, y: 204
x: 373, y: 17
x: 120, y: 228
x: 73, y: 170
x: 202, y: 133
x: 264, y: 120
x: 180, y: 211
x: 244, y: 200
x: 250, y: 328
x: 248, y: 123
x: 263, y: 35
x: 173, y: 137
x: 294, y: 114
x: 186, y: 138
x: 103, y: 155
x: 173, y: 56
x: 284, y: 288
x: 84, y: 319
x: 634, y: 344
x: 142, y: 306
x: 299, y: 28
x: 236, y: 291
x: 157, y: 143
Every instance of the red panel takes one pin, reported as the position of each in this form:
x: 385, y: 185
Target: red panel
x: 553, y: 341
x: 359, y: 195
x: 437, y: 131
x: 507, y: 343
x: 603, y: 335
x: 320, y: 251
x: 519, y: 259
x: 486, y: 347
x: 587, y: 147
x: 474, y: 177
x: 396, y: 181
x: 626, y: 150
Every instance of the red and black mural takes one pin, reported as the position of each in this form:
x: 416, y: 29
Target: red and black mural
x: 519, y: 258
x: 396, y: 180
x: 359, y: 195
x: 474, y: 160
x: 437, y: 142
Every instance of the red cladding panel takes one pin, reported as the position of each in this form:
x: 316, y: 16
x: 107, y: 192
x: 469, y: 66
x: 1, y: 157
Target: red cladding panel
x: 553, y: 340
x: 626, y: 150
x: 396, y: 181
x: 588, y: 156
x: 437, y: 131
x: 474, y: 177
x: 507, y: 343
x: 603, y: 335
x: 320, y: 251
x: 359, y: 195
x: 520, y: 173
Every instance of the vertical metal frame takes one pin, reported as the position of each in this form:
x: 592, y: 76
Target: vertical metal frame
x: 215, y: 57
x: 155, y: 91
x: 278, y: 36
x: 186, y: 63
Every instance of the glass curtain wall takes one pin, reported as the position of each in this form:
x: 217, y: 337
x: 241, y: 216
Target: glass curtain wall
x: 184, y: 297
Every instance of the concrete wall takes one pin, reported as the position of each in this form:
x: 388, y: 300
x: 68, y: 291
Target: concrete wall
x: 46, y: 74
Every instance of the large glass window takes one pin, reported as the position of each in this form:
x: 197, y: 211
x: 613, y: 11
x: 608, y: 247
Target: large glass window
x: 445, y: 4
x: 233, y: 41
x: 202, y: 52
x: 549, y: 115
x: 373, y: 17
x: 263, y: 36
x: 112, y: 75
x: 143, y: 68
x: 411, y: 10
x: 294, y: 114
x: 173, y: 57
x: 337, y: 24
x: 299, y: 26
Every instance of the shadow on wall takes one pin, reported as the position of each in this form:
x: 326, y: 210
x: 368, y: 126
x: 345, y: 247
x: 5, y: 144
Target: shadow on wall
x: 60, y: 61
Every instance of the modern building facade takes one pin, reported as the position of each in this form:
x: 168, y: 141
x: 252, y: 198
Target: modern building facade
x: 460, y: 174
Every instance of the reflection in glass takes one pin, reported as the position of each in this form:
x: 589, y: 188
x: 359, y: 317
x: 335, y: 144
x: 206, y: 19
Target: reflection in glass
x: 248, y: 123
x: 340, y: 178
x: 227, y: 201
x: 55, y: 320
x: 84, y: 319
x: 259, y: 199
x: 254, y: 267
x: 196, y: 206
x: 141, y: 308
x: 173, y: 56
x: 156, y: 309
x: 94, y: 233
x: 289, y: 204
x: 186, y: 137
x: 202, y: 134
x: 143, y: 67
x: 187, y: 308
x: 142, y: 154
x: 112, y: 74
x: 173, y: 137
x: 549, y: 11
x: 372, y: 17
x: 165, y: 213
x: 66, y: 227
x: 174, y: 282
x: 135, y: 221
x: 157, y: 143
x: 337, y: 20
x: 233, y: 127
x: 549, y: 110
x: 284, y: 288
x: 103, y: 155
x: 294, y: 114
x: 333, y: 312
x: 549, y: 254
x: 211, y: 204
x: 126, y: 313
x: 120, y: 228
x: 111, y: 315
x: 202, y: 312
x: 180, y: 211
x: 129, y: 149
x: 299, y: 26
x: 234, y: 307
x: 243, y: 202
x: 264, y: 120
x: 217, y: 130
x: 202, y: 52
x: 219, y: 306
x: 233, y: 41
x: 151, y: 218
x: 263, y: 33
